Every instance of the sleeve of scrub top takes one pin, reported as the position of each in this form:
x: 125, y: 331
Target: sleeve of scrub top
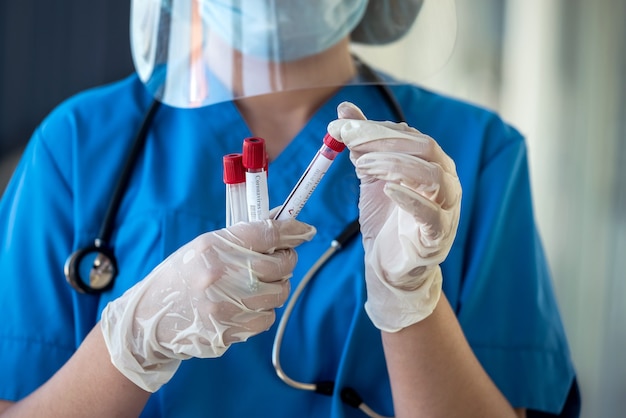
x: 37, y: 328
x: 507, y: 306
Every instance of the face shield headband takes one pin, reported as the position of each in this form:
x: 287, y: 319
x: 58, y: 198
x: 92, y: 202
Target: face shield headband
x: 193, y: 53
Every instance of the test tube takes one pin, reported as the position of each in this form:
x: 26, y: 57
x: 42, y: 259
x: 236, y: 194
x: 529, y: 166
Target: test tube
x: 310, y: 178
x: 255, y: 163
x: 235, y: 181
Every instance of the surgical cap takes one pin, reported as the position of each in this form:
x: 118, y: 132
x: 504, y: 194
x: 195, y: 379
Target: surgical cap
x: 386, y: 21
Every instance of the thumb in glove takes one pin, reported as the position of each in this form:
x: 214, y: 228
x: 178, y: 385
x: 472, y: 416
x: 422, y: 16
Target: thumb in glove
x: 198, y: 301
x: 409, y: 211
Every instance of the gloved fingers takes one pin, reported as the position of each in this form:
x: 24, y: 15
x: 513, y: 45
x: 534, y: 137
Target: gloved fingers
x: 274, y: 211
x: 202, y: 298
x: 238, y: 285
x: 434, y: 222
x: 423, y: 210
x: 347, y: 110
x: 264, y: 300
x: 212, y: 327
x: 274, y: 267
x: 238, y: 261
x: 292, y: 233
x: 425, y: 178
x: 363, y: 136
x: 211, y: 333
x: 248, y: 325
x: 238, y: 315
x: 356, y: 133
x: 267, y: 236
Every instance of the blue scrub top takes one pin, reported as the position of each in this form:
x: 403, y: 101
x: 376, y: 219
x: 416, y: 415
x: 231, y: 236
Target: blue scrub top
x: 495, y: 277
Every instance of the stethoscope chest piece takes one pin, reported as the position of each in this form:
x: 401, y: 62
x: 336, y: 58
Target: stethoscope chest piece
x: 91, y: 269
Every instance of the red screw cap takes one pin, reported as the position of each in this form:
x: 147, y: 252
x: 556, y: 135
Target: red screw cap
x: 333, y: 144
x: 234, y: 171
x: 254, y: 155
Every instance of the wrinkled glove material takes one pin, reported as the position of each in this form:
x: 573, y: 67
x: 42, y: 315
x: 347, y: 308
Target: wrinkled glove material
x: 199, y: 300
x: 409, y: 212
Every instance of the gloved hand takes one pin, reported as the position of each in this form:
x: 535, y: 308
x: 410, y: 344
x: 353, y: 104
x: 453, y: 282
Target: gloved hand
x: 199, y: 300
x: 408, y: 210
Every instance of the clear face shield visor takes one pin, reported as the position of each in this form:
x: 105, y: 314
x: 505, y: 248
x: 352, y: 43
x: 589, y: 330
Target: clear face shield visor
x: 194, y: 53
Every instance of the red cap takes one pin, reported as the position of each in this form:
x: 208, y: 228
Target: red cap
x: 254, y: 155
x: 234, y: 172
x: 333, y: 144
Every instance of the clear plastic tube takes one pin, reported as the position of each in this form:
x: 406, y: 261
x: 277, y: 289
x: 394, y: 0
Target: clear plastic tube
x: 255, y: 163
x: 235, y: 181
x: 257, y: 196
x: 310, y: 178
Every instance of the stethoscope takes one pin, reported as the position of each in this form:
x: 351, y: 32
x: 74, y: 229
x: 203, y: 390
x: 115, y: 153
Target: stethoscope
x: 348, y: 395
x: 93, y: 269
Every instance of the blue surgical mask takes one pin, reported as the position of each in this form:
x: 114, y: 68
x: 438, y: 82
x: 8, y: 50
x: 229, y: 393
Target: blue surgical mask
x: 282, y: 30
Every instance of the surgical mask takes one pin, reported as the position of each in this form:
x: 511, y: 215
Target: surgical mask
x: 194, y: 53
x: 282, y: 30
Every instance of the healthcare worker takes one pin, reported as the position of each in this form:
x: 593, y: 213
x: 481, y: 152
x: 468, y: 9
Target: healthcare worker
x: 442, y: 307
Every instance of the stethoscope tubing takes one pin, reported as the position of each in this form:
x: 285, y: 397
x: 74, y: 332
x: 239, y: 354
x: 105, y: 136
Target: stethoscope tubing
x: 102, y: 247
x: 105, y: 262
x: 348, y: 395
x: 342, y: 239
x: 106, y: 229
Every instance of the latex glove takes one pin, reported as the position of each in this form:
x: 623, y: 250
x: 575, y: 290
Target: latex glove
x: 200, y: 300
x: 408, y: 210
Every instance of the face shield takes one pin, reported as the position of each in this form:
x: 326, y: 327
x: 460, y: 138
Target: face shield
x: 193, y: 53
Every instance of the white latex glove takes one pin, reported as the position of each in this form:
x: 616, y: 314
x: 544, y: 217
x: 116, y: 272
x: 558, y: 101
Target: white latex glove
x: 199, y: 300
x: 409, y: 212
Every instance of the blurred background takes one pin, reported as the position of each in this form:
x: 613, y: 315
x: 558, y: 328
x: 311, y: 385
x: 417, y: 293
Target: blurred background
x: 553, y: 68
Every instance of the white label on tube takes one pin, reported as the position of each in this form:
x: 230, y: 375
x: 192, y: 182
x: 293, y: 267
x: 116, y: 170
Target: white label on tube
x: 257, y: 197
x: 305, y: 187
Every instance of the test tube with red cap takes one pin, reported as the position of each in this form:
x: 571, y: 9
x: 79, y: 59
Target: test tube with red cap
x: 310, y: 178
x: 235, y: 181
x: 255, y: 163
